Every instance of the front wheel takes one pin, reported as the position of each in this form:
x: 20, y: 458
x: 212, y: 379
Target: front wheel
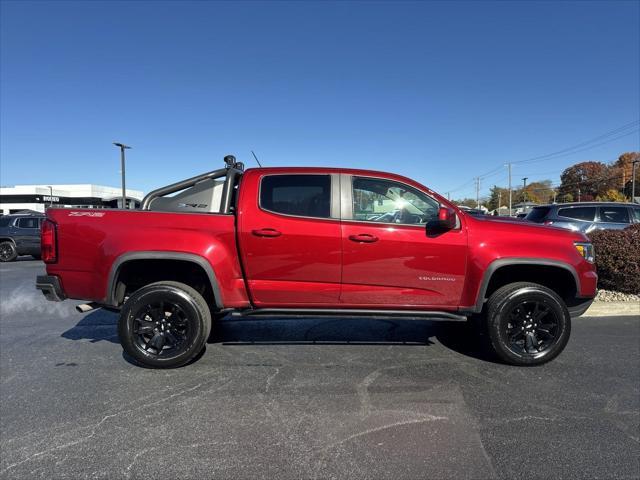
x: 528, y: 324
x: 164, y: 325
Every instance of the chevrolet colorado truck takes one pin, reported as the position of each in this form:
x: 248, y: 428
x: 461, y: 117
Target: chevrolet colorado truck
x: 314, y: 241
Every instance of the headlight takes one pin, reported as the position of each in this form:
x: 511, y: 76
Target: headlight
x: 586, y: 251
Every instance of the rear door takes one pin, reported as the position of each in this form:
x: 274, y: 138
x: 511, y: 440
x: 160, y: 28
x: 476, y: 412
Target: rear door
x: 289, y: 232
x: 580, y: 218
x: 388, y: 257
x: 28, y: 235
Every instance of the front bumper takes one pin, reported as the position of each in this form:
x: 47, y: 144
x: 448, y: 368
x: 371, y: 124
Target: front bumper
x: 581, y: 307
x: 51, y: 288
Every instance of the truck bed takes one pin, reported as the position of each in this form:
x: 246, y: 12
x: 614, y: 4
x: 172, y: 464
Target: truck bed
x: 91, y: 243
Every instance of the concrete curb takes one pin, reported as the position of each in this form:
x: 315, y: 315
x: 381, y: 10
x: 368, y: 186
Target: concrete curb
x: 609, y: 309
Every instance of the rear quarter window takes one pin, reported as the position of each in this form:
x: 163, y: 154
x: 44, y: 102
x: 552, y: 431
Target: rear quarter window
x: 614, y: 214
x: 586, y: 214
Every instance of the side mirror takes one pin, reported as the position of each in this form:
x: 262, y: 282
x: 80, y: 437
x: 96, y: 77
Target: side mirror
x: 446, y: 218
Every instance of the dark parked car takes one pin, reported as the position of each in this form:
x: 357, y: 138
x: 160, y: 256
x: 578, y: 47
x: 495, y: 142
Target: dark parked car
x: 19, y: 235
x: 587, y: 216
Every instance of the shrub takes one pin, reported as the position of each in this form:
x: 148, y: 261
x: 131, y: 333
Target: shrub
x: 618, y: 258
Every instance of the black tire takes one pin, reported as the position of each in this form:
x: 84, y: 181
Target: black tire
x: 147, y: 334
x: 527, y: 324
x: 8, y: 252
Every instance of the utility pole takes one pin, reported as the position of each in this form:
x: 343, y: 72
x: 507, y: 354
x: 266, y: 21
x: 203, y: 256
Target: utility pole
x: 554, y: 196
x: 509, y: 166
x: 524, y: 189
x: 449, y: 196
x: 478, y: 192
x: 633, y: 179
x: 499, y: 200
x: 122, y: 147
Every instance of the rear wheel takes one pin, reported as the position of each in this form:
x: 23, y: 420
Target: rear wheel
x: 528, y: 324
x: 164, y: 325
x: 8, y: 252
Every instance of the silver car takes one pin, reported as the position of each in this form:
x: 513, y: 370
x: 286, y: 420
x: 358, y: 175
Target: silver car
x: 587, y: 216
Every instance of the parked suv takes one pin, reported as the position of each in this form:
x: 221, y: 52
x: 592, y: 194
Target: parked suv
x: 587, y: 216
x: 19, y: 235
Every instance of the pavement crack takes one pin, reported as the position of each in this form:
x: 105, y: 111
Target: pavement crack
x: 363, y: 392
x: 95, y: 427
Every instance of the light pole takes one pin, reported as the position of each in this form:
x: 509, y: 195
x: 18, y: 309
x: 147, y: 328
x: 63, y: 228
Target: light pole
x: 509, y: 166
x: 633, y: 180
x: 524, y: 189
x: 122, y: 147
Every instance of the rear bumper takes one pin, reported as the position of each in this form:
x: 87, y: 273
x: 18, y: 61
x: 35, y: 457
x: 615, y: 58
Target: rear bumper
x: 50, y: 287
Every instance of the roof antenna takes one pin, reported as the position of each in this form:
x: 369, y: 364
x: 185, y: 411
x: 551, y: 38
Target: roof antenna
x: 257, y: 161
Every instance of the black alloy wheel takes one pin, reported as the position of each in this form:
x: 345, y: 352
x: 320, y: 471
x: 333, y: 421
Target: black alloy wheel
x: 532, y: 327
x: 8, y: 252
x: 528, y: 324
x: 164, y: 324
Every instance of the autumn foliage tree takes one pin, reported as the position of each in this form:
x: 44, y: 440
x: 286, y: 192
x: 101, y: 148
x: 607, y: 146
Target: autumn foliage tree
x: 588, y: 180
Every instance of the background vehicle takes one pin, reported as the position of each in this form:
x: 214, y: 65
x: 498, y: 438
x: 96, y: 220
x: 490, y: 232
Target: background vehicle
x: 587, y: 216
x: 296, y: 241
x: 19, y: 235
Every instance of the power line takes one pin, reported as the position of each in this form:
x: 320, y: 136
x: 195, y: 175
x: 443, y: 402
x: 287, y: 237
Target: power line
x: 616, y: 134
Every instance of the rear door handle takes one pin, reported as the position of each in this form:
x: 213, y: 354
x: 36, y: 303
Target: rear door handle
x: 266, y: 232
x: 363, y: 238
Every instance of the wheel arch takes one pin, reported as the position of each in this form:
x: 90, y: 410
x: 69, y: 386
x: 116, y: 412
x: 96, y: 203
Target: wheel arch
x: 508, y: 270
x: 130, y: 258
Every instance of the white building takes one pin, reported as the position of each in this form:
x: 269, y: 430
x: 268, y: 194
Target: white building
x: 39, y: 197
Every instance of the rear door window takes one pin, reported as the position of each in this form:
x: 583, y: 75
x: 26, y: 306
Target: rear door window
x: 586, y: 214
x: 636, y: 214
x: 28, y: 223
x: 614, y: 214
x: 537, y: 214
x: 300, y: 195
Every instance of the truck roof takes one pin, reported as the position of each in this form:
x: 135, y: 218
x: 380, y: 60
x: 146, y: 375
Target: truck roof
x: 349, y: 171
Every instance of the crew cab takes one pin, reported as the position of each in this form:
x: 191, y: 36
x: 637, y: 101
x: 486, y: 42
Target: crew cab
x: 314, y: 241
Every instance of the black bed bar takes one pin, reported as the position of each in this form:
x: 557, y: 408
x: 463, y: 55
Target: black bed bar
x: 231, y: 171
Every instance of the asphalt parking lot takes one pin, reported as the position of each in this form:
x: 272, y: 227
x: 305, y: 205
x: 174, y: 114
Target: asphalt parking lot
x: 309, y: 398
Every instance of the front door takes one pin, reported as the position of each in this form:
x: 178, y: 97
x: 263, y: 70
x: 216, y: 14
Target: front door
x: 388, y: 257
x: 290, y: 239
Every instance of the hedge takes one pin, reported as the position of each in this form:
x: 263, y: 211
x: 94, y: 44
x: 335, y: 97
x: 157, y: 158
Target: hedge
x: 618, y: 259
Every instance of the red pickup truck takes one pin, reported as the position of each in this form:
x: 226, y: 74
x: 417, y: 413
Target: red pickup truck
x: 314, y: 241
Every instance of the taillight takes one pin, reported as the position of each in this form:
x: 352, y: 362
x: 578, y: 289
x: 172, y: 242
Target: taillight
x: 48, y: 243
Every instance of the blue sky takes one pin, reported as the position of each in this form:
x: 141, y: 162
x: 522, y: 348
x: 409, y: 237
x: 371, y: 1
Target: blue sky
x: 439, y: 91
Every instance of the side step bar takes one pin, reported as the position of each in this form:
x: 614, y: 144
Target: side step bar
x: 346, y: 312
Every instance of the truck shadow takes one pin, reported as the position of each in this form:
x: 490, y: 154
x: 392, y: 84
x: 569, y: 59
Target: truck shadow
x: 101, y: 325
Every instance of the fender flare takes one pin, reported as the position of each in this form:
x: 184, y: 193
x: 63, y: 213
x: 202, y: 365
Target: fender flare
x: 503, y: 262
x: 161, y: 255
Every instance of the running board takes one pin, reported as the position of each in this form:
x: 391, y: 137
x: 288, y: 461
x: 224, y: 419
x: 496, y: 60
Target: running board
x: 345, y: 312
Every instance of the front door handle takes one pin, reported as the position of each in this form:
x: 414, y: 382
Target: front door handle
x: 266, y: 232
x: 363, y: 238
